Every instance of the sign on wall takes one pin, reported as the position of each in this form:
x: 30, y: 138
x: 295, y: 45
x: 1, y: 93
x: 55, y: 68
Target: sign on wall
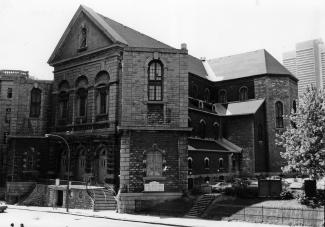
x: 154, y: 186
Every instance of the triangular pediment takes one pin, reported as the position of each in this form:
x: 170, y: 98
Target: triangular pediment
x: 87, y: 32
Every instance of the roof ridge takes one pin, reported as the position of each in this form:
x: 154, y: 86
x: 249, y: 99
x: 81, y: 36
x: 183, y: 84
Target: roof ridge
x: 232, y: 55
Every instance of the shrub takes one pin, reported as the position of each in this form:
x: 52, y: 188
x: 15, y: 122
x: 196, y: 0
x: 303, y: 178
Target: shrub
x: 286, y: 194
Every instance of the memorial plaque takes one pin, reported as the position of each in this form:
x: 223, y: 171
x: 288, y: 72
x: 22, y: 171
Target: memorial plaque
x: 154, y: 186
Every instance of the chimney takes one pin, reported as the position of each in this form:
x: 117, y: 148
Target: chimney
x: 183, y: 46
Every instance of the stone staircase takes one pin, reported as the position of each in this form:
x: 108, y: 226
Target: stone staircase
x: 103, y: 199
x: 201, y: 205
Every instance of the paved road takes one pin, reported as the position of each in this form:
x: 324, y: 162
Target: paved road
x: 42, y: 219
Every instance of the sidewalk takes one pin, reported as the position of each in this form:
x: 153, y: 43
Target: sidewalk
x: 169, y: 221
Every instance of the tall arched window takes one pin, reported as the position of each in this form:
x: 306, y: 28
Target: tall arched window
x: 294, y: 106
x: 155, y: 81
x: 189, y: 163
x: 202, y: 130
x: 243, y: 93
x: 63, y: 100
x: 207, y: 95
x: 206, y: 163
x: 220, y: 163
x: 222, y: 96
x: 279, y: 114
x: 35, y: 103
x: 102, y: 91
x: 63, y: 105
x: 82, y: 101
x: 216, y: 130
x: 195, y: 91
x: 260, y: 133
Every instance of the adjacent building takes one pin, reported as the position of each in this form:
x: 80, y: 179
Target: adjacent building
x: 24, y: 110
x: 307, y: 63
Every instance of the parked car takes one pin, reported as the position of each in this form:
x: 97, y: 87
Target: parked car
x: 220, y: 186
x: 3, y: 207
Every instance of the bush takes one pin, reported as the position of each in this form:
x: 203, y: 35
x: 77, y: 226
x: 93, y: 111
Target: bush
x: 309, y: 201
x: 286, y: 194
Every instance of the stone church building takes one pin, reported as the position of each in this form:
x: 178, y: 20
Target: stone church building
x: 148, y: 118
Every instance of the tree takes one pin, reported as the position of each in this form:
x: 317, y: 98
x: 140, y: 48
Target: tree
x: 304, y: 139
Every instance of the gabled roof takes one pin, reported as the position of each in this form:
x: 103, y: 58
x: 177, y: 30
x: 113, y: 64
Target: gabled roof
x: 258, y: 62
x: 116, y: 32
x: 132, y: 37
x: 239, y: 108
x: 220, y: 145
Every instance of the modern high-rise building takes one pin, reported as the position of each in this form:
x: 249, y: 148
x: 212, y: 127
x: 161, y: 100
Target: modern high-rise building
x: 307, y: 63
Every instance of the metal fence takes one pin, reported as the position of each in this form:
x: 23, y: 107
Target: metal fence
x: 272, y: 215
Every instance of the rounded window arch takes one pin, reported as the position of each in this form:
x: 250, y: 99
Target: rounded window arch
x: 222, y: 98
x: 63, y: 85
x: 243, y: 93
x: 155, y: 80
x: 207, y: 95
x: 190, y: 163
x: 279, y: 114
x: 81, y: 81
x: 202, y: 129
x: 206, y: 163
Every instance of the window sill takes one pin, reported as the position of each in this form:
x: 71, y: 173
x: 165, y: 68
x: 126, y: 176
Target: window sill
x: 157, y: 178
x: 154, y: 102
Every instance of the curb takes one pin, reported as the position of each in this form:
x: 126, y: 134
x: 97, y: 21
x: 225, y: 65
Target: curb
x: 105, y: 217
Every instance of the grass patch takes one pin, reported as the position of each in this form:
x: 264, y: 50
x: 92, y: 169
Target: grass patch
x: 288, y: 212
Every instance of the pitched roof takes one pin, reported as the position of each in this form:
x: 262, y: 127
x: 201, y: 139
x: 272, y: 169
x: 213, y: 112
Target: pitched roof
x: 195, y: 66
x: 221, y: 145
x: 239, y: 108
x: 248, y: 64
x: 115, y: 31
x: 132, y: 37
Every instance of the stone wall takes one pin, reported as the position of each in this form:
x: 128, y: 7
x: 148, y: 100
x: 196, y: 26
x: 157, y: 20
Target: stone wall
x: 240, y: 131
x: 275, y: 88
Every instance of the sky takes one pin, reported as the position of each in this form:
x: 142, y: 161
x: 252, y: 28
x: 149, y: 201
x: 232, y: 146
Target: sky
x: 31, y: 29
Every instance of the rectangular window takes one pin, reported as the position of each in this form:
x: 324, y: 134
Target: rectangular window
x: 151, y: 92
x: 9, y: 93
x: 8, y: 113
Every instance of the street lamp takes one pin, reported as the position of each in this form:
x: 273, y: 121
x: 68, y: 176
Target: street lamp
x: 68, y: 178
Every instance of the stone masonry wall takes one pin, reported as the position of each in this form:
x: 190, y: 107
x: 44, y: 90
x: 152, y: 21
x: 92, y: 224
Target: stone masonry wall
x: 243, y: 138
x: 275, y: 88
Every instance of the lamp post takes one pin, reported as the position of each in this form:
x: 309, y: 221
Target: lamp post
x: 68, y: 178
